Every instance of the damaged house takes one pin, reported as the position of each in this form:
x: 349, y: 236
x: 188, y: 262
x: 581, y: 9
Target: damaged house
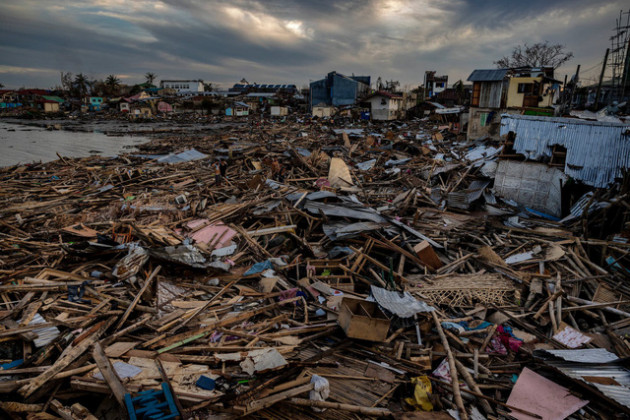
x: 521, y: 90
x: 548, y: 163
x: 433, y: 85
x: 384, y: 105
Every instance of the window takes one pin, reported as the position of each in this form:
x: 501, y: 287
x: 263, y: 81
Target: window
x: 476, y: 94
x: 383, y: 102
x: 526, y: 88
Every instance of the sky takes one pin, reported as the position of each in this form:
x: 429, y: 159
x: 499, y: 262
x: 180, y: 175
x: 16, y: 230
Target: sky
x: 289, y: 41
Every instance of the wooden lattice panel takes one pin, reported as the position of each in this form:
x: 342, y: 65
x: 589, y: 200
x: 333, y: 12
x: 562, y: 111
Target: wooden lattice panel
x: 466, y: 290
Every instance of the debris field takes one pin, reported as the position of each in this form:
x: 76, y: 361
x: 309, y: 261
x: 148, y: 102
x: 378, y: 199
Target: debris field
x: 307, y: 269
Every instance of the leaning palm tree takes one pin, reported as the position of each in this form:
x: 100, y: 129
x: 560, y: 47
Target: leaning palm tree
x: 113, y: 84
x: 81, y: 83
x: 150, y: 77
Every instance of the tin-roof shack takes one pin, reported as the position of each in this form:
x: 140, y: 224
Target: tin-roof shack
x: 596, y: 152
x: 556, y: 149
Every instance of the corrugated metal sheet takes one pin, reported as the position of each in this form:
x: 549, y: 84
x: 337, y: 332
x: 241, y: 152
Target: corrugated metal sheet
x: 490, y: 95
x: 620, y: 393
x: 596, y: 151
x: 585, y: 355
x: 350, y: 210
x: 489, y: 75
x: 45, y: 335
x: 403, y: 305
x: 185, y: 156
x: 463, y: 199
x: 593, y: 366
x: 534, y: 185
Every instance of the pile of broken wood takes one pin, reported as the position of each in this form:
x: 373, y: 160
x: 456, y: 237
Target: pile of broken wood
x: 354, y: 285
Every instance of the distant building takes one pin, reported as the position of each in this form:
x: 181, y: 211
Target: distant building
x: 183, y: 86
x: 263, y: 87
x: 51, y: 103
x: 385, y: 105
x: 164, y: 107
x: 279, y: 111
x: 434, y: 84
x: 238, y: 109
x: 338, y: 90
x: 94, y: 103
x: 322, y: 110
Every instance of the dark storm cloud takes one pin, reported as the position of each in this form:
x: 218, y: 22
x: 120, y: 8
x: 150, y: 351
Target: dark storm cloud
x: 286, y: 40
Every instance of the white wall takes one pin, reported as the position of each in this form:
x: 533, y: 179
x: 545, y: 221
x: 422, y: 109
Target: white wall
x: 183, y: 85
x: 322, y: 111
x: 384, y: 108
x: 279, y: 110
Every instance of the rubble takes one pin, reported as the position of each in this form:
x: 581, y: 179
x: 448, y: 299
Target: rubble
x: 376, y: 274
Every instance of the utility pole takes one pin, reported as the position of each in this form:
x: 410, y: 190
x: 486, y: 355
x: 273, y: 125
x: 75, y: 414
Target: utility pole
x: 564, y: 92
x: 577, y: 74
x: 601, y: 78
x: 626, y: 71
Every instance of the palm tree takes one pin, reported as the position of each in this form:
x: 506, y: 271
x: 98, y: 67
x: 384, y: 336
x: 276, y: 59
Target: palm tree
x: 81, y: 83
x: 1, y: 85
x: 150, y: 77
x: 112, y: 83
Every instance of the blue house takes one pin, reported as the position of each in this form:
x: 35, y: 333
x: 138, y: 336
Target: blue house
x: 95, y: 103
x: 338, y: 90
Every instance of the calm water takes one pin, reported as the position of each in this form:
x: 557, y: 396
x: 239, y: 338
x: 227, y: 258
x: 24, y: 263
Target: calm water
x: 25, y: 144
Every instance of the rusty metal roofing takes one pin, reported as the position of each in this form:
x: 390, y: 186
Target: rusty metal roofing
x: 490, y: 75
x: 596, y: 151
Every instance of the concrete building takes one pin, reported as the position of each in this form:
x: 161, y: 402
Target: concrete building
x: 434, y: 84
x: 338, y: 90
x: 385, y: 105
x: 183, y: 86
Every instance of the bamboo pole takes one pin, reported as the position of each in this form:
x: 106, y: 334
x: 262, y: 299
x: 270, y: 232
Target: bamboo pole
x: 368, y: 411
x: 451, y: 361
x: 473, y: 385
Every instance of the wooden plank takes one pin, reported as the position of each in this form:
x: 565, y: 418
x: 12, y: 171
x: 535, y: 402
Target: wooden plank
x: 69, y: 355
x: 109, y: 373
x: 137, y: 298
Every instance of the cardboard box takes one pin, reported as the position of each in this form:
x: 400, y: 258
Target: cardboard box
x: 363, y: 320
